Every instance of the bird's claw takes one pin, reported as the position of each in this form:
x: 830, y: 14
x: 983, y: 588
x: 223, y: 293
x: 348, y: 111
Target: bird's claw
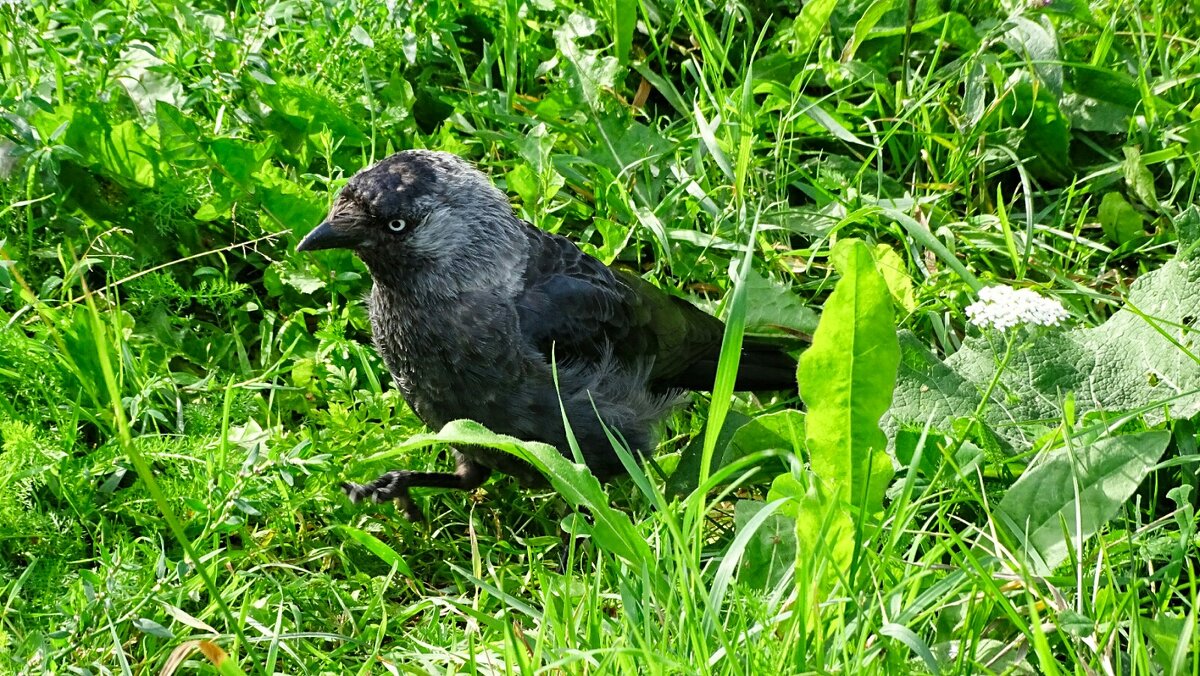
x: 386, y: 487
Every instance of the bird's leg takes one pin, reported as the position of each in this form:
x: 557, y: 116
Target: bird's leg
x: 394, y: 485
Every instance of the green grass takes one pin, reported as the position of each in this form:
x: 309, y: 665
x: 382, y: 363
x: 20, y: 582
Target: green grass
x: 181, y: 393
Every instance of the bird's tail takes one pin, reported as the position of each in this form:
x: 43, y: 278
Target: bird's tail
x: 765, y: 366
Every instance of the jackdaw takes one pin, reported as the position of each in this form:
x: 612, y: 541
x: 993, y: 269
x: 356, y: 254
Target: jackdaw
x: 473, y: 309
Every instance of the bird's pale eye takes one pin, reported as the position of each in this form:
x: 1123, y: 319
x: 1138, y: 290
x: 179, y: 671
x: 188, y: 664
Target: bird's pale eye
x: 397, y: 225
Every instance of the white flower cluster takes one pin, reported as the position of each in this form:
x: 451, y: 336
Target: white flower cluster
x: 1003, y: 307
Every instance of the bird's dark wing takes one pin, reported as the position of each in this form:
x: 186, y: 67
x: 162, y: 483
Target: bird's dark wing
x: 578, y: 307
x: 570, y: 301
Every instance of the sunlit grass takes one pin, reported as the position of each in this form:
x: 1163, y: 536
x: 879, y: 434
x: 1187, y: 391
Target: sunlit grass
x: 180, y: 394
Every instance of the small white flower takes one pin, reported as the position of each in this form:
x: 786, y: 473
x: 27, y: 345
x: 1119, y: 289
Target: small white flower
x: 1003, y: 307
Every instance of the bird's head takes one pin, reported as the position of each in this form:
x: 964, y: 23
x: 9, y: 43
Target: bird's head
x: 421, y: 212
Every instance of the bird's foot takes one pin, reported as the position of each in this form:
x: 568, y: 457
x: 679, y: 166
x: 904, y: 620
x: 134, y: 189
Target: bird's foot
x: 394, y: 485
x: 391, y: 486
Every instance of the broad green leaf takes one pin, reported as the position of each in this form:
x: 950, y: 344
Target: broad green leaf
x: 147, y: 79
x: 123, y: 152
x: 128, y: 152
x: 780, y: 430
x: 1121, y: 222
x: 1089, y: 114
x: 1046, y: 132
x: 1138, y: 177
x: 625, y: 15
x: 787, y: 485
x: 148, y: 626
x: 1075, y: 624
x: 536, y: 148
x: 377, y: 547
x: 239, y: 160
x: 813, y: 18
x: 847, y: 378
x: 1164, y: 632
x: 774, y: 307
x: 952, y: 27
x: 304, y: 107
x: 968, y: 456
x: 591, y: 72
x: 1145, y: 354
x: 360, y: 35
x: 211, y: 211
x: 740, y: 436
x: 824, y: 531
x: 864, y: 26
x: 927, y: 390
x: 686, y: 476
x: 1090, y: 482
x: 299, y: 279
x: 771, y: 552
x: 1076, y: 9
x: 825, y: 537
x: 1036, y: 42
x: 1110, y: 85
x: 521, y: 180
x: 288, y: 204
x: 733, y: 557
x: 628, y: 144
x: 178, y: 135
x: 895, y: 274
x: 1145, y: 357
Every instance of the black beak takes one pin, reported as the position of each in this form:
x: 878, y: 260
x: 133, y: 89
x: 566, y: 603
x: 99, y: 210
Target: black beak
x: 329, y: 235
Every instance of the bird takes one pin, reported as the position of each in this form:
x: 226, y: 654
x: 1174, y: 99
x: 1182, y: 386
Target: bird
x: 481, y: 315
